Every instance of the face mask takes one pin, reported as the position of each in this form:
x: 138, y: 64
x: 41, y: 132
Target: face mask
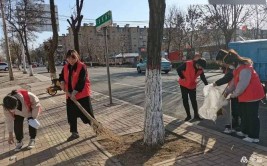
x: 231, y: 67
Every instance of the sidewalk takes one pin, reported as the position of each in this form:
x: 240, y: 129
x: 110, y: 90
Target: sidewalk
x: 51, y: 148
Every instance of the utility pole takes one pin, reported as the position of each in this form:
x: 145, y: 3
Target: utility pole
x: 8, y: 58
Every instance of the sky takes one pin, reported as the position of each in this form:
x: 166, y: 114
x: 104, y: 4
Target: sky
x: 133, y: 12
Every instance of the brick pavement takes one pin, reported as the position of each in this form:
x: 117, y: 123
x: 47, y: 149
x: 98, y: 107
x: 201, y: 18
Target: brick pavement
x: 51, y: 148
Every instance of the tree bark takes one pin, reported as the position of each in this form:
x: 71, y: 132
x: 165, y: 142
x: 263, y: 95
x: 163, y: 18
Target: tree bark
x: 53, y: 43
x: 26, y: 49
x: 76, y: 40
x: 154, y: 130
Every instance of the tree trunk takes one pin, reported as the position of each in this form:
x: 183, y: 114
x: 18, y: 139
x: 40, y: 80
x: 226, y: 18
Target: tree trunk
x: 53, y: 43
x: 75, y: 24
x: 76, y: 40
x: 29, y: 60
x: 25, y: 44
x: 227, y: 39
x: 19, y: 61
x: 154, y: 130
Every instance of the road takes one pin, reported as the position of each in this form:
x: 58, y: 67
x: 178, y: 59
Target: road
x: 128, y: 85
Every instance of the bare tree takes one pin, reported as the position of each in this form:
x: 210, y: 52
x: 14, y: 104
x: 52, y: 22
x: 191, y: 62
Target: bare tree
x: 75, y: 23
x: 227, y: 18
x: 193, y: 22
x: 15, y: 49
x: 257, y: 21
x: 154, y: 131
x: 24, y: 17
x: 180, y: 33
x: 169, y: 31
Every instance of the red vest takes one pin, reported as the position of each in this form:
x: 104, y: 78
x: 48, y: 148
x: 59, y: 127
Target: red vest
x: 190, y: 76
x: 254, y: 91
x: 26, y: 98
x: 75, y: 76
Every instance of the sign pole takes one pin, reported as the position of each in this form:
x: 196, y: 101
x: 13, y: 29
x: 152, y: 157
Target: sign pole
x: 107, y: 64
x: 102, y: 22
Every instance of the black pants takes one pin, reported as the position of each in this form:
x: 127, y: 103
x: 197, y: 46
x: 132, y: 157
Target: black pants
x: 18, y: 128
x: 192, y: 94
x: 236, y: 114
x: 250, y: 122
x: 73, y: 112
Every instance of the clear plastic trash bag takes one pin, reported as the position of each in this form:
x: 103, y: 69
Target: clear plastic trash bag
x: 213, y: 102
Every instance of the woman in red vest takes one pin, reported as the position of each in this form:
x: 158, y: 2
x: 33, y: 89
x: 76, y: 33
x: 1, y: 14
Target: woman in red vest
x: 246, y: 86
x: 228, y: 76
x: 188, y: 73
x: 74, y: 79
x: 20, y: 104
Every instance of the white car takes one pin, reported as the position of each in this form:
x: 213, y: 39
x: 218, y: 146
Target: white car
x: 3, y: 66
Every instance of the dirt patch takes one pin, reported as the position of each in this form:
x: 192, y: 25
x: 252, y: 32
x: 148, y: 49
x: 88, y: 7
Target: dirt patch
x: 133, y: 152
x: 19, y: 79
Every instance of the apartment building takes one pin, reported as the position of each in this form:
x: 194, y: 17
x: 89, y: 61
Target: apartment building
x: 124, y: 39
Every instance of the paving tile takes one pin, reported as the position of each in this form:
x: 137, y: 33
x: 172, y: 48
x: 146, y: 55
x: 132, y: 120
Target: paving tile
x: 52, y: 149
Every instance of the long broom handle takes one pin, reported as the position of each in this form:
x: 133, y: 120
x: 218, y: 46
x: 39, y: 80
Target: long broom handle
x: 231, y: 125
x: 225, y: 89
x: 83, y: 110
x: 230, y: 116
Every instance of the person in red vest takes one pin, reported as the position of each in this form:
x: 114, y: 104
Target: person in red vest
x: 246, y: 86
x: 74, y: 79
x: 188, y: 73
x: 20, y: 104
x: 228, y: 76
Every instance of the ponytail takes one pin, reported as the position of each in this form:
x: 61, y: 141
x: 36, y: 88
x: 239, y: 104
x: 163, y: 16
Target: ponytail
x: 233, y: 58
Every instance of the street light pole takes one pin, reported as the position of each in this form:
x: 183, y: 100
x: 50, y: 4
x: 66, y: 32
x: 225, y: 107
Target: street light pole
x: 8, y: 58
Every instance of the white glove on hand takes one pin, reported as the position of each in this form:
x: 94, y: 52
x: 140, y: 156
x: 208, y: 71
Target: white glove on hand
x: 74, y: 92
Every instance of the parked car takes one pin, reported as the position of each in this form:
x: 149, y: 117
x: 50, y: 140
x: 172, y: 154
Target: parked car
x: 166, y: 66
x: 3, y: 66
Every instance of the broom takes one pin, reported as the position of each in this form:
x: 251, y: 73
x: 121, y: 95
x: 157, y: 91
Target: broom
x: 220, y: 111
x: 97, y: 126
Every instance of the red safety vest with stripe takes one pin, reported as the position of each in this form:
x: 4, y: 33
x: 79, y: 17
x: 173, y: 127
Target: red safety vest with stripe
x: 75, y: 77
x: 190, y: 80
x: 254, y: 91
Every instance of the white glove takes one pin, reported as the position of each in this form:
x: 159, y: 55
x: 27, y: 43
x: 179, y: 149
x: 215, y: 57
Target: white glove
x: 74, y: 92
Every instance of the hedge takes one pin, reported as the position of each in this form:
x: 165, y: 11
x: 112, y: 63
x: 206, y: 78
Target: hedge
x: 210, y: 65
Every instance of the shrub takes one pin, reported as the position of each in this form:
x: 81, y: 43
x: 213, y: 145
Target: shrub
x: 210, y: 65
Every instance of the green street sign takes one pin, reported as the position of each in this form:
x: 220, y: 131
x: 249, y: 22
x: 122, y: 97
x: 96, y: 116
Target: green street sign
x: 104, y: 20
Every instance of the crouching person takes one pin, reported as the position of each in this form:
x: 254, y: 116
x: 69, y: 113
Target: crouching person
x: 20, y: 104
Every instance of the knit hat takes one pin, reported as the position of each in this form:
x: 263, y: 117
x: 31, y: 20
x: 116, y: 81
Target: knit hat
x: 221, y: 54
x: 10, y: 102
x: 201, y: 62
